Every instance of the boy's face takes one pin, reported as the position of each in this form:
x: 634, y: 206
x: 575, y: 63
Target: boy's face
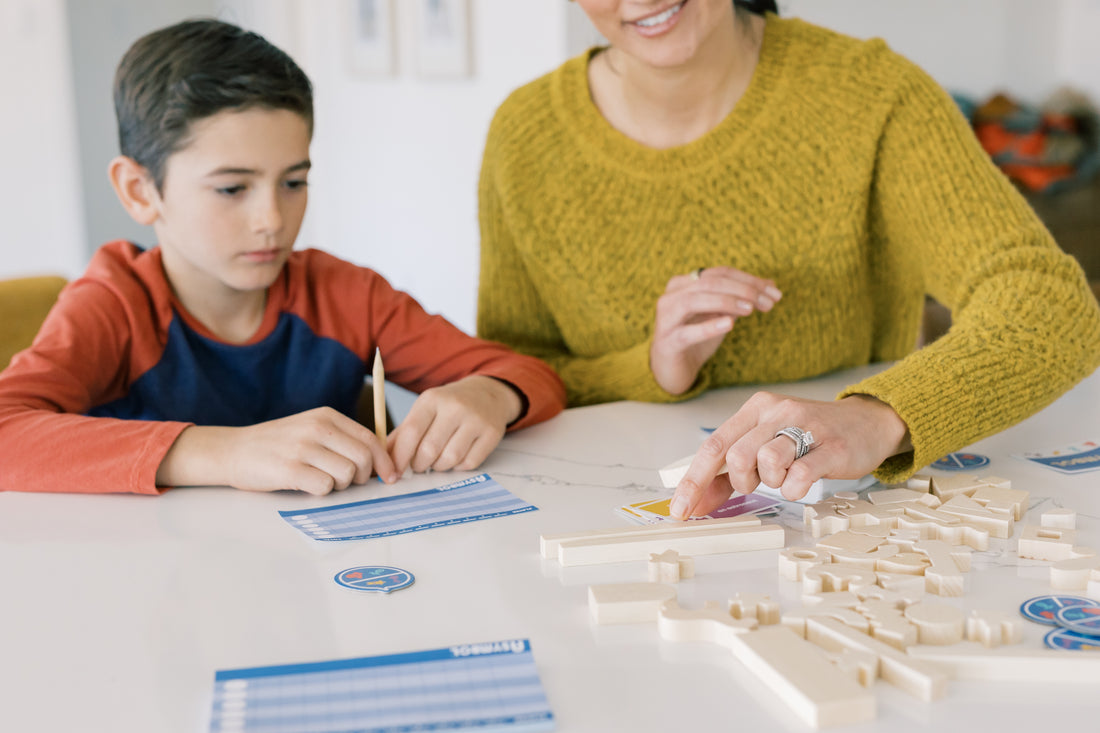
x: 232, y: 203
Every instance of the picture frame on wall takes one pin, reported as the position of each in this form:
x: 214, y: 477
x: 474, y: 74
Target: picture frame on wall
x: 370, y: 37
x: 443, y: 40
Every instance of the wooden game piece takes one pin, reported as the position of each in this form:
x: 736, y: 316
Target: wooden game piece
x: 947, y: 486
x: 864, y: 514
x: 1059, y: 519
x: 754, y: 605
x: 996, y: 481
x: 944, y: 577
x: 897, y: 599
x: 848, y: 542
x: 548, y: 543
x: 905, y: 563
x: 937, y: 623
x: 856, y: 665
x: 1074, y: 574
x: 1018, y: 498
x: 847, y: 495
x: 998, y: 524
x: 865, y: 560
x: 669, y: 567
x: 924, y: 680
x: 834, y: 577
x: 894, y: 496
x: 888, y: 623
x: 1049, y: 543
x: 994, y: 628
x: 936, y: 525
x: 793, y: 561
x: 795, y: 619
x: 901, y: 583
x: 881, y: 531
x: 684, y: 538
x: 972, y: 661
x: 801, y: 675
x: 711, y: 623
x: 627, y: 603
x: 832, y: 599
x: 824, y: 518
x: 920, y: 482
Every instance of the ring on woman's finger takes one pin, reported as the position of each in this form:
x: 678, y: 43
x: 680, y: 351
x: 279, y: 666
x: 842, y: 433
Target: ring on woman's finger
x: 803, y: 439
x: 697, y: 273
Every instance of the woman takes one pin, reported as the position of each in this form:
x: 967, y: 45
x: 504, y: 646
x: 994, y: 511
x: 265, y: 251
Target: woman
x: 722, y: 197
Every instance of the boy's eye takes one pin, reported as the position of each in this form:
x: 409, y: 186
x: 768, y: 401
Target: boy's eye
x: 229, y: 190
x: 296, y: 184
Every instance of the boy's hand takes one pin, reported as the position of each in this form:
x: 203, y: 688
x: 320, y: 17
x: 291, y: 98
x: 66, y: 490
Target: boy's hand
x: 454, y: 426
x: 317, y: 451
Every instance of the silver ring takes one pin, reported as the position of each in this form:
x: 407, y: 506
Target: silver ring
x: 697, y: 273
x: 803, y: 439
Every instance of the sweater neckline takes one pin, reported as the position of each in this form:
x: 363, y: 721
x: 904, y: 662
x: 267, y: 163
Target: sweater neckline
x: 592, y: 129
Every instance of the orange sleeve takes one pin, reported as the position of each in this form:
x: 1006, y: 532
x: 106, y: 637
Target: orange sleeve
x: 80, y: 358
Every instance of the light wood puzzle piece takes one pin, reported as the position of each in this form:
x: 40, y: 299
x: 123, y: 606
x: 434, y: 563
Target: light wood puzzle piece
x: 548, y: 543
x: 670, y: 567
x: 627, y: 603
x: 801, y: 675
x: 754, y: 606
x: 920, y: 482
x: 994, y: 628
x: 856, y: 665
x: 846, y: 541
x: 835, y: 577
x: 1001, y: 495
x: 1059, y: 518
x: 944, y: 577
x: 865, y: 560
x: 1075, y: 573
x: 888, y: 623
x: 947, y: 486
x: 1050, y: 543
x: 998, y: 524
x: 824, y: 518
x: 894, y: 496
x: 711, y: 623
x: 923, y: 680
x: 795, y: 619
x: 937, y: 623
x: 793, y: 561
x: 972, y: 661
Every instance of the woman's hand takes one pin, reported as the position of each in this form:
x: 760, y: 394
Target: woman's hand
x: 694, y: 315
x: 852, y: 437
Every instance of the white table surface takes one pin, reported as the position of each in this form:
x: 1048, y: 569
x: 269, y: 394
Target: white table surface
x: 116, y: 611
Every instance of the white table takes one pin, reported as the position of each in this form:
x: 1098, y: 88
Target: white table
x: 115, y: 611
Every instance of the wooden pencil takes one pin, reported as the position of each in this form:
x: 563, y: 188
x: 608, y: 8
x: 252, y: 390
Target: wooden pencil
x: 378, y: 377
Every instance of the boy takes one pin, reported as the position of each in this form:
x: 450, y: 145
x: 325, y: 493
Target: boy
x: 221, y: 357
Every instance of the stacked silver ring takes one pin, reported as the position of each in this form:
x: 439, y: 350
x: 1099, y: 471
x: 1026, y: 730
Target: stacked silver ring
x: 803, y: 439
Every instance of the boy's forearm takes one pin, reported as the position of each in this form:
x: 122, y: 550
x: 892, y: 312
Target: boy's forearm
x: 199, y: 457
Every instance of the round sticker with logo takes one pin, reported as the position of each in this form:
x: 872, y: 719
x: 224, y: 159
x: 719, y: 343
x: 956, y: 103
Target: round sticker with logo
x: 1082, y: 619
x: 374, y: 578
x: 961, y: 462
x: 1069, y: 639
x: 1043, y: 609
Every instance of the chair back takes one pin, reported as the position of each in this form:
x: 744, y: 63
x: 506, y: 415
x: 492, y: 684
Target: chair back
x: 24, y: 303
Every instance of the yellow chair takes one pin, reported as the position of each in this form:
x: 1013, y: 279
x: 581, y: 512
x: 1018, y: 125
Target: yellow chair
x: 24, y: 303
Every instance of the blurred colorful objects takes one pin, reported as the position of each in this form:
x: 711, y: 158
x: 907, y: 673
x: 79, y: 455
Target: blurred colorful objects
x: 1045, y: 149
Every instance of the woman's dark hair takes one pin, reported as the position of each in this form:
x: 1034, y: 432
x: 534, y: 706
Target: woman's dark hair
x: 177, y: 75
x: 757, y: 6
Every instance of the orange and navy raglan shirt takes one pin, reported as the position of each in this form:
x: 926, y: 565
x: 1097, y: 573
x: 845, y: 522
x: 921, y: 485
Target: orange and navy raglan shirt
x: 120, y: 368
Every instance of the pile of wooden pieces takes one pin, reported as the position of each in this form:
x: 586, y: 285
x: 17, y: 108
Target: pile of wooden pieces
x: 865, y: 587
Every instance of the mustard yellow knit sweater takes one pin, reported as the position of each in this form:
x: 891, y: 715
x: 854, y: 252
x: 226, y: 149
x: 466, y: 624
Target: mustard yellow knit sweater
x: 847, y: 176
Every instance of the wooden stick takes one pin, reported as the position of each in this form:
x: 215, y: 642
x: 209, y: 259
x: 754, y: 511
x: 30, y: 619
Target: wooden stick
x: 378, y: 377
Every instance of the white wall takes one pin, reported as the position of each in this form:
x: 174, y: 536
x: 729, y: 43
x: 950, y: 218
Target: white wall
x: 396, y: 159
x: 42, y: 214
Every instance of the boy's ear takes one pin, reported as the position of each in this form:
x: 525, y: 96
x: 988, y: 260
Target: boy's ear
x: 135, y: 189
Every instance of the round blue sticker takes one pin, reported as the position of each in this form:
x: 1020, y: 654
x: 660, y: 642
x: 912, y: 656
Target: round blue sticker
x: 1069, y: 639
x: 1043, y: 609
x: 1082, y: 619
x: 961, y: 462
x: 374, y: 578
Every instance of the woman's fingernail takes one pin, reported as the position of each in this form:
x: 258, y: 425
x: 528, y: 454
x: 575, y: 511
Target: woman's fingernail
x: 744, y: 306
x: 723, y: 324
x: 765, y: 302
x: 679, y: 507
x: 773, y: 292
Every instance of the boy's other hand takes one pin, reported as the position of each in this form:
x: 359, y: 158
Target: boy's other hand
x: 317, y: 451
x: 454, y: 426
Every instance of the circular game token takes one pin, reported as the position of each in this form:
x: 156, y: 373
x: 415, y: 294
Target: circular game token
x: 961, y: 462
x: 1069, y: 639
x: 1042, y: 609
x: 1082, y: 619
x: 374, y: 578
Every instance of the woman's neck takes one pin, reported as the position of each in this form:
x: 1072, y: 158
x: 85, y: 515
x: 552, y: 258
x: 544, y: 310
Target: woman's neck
x: 668, y: 107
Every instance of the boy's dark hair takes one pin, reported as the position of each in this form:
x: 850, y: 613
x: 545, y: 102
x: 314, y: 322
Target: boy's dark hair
x: 177, y: 75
